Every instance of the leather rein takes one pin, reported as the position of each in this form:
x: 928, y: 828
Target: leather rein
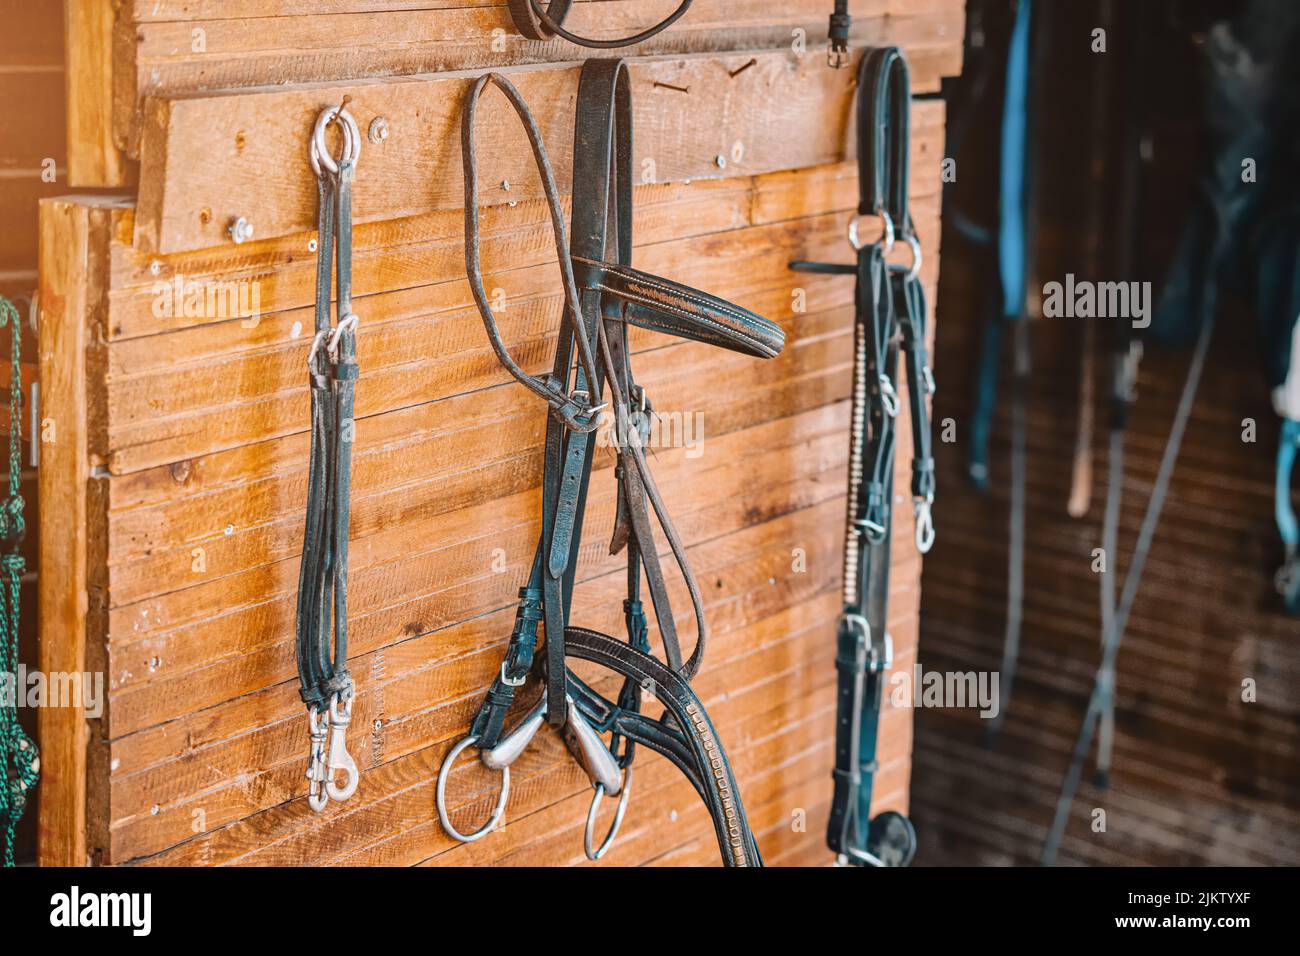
x: 889, y: 318
x: 325, y: 683
x: 603, y: 297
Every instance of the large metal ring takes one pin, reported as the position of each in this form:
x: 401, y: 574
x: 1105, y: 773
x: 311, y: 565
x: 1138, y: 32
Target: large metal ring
x: 886, y: 232
x: 320, y: 152
x: 441, y: 796
x: 587, y: 838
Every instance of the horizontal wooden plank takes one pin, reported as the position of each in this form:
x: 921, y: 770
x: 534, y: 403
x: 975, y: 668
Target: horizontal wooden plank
x: 204, y: 48
x: 210, y: 159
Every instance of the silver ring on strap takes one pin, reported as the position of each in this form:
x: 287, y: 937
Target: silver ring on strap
x: 886, y: 232
x: 320, y: 153
x: 914, y: 244
x: 587, y: 837
x: 441, y: 796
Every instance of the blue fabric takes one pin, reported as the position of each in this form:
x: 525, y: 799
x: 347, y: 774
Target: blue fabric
x: 1286, y: 452
x: 1011, y: 213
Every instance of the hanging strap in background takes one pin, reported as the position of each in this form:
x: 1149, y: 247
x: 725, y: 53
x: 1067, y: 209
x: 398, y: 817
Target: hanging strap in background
x: 1100, y: 701
x: 1288, y: 576
x: 1015, y: 244
x: 20, y: 763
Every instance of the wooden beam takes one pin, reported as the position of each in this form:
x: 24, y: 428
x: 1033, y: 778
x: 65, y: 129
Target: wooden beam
x: 208, y: 160
x: 93, y: 157
x: 165, y: 48
x: 73, y: 282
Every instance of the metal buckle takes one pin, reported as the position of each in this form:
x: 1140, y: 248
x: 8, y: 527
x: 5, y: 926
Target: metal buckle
x: 512, y: 682
x: 879, y: 654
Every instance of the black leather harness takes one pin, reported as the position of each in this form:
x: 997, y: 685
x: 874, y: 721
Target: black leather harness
x: 537, y: 22
x: 604, y: 295
x: 323, y: 675
x: 889, y: 317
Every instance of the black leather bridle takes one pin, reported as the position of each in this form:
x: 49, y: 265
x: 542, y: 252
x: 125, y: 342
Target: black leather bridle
x: 537, y: 22
x: 325, y: 683
x: 604, y: 295
x: 889, y: 317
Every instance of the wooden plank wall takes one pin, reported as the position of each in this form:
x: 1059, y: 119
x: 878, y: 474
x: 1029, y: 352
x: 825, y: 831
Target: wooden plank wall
x: 1199, y: 777
x: 32, y: 82
x: 195, y: 446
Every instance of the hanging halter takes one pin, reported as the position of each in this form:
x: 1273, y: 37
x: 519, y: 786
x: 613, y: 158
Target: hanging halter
x: 603, y: 296
x: 889, y: 316
x: 325, y: 681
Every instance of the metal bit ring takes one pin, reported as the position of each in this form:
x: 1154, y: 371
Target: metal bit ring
x: 441, y: 796
x: 587, y: 837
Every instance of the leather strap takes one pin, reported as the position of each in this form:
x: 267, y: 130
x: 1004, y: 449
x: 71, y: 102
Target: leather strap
x: 889, y: 317
x: 321, y: 628
x: 537, y: 22
x: 604, y: 295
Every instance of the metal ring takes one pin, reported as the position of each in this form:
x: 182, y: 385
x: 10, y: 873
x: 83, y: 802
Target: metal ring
x: 618, y: 816
x: 886, y: 232
x: 315, y: 347
x: 915, y: 245
x: 320, y: 153
x: 349, y: 322
x: 441, y: 796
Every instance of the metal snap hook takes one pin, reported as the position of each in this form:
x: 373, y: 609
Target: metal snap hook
x: 317, y: 797
x: 320, y: 153
x: 587, y: 837
x: 922, y: 508
x: 339, y: 758
x: 441, y: 796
